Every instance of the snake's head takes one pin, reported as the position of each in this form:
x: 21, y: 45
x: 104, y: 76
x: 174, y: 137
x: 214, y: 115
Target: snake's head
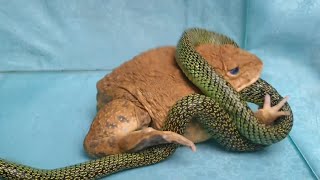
x: 239, y: 67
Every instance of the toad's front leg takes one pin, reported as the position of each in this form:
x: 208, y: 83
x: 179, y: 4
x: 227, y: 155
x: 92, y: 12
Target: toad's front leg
x: 268, y: 114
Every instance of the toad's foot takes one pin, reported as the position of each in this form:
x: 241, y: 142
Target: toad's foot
x: 268, y: 114
x: 141, y: 139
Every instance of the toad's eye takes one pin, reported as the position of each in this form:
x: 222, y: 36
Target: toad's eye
x: 234, y: 71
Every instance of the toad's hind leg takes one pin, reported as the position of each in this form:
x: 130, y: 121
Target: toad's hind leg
x: 120, y: 126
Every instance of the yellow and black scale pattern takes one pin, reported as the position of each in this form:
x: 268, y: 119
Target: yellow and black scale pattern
x: 221, y: 110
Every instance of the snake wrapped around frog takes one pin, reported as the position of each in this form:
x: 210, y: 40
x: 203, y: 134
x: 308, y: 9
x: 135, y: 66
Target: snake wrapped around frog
x: 221, y: 110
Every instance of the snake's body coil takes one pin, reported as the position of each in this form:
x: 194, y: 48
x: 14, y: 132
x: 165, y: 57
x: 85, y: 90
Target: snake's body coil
x: 221, y: 110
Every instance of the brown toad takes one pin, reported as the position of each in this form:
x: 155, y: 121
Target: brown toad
x: 134, y: 100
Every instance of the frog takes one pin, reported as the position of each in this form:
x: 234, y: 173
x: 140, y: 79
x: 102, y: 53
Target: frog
x: 134, y: 99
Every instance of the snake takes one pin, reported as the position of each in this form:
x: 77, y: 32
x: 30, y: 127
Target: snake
x: 220, y: 109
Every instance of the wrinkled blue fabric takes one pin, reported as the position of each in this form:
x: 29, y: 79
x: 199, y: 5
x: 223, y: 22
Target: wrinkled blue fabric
x: 52, y: 53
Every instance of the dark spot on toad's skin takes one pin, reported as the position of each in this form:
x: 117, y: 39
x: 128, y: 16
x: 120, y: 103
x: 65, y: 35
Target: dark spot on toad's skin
x: 104, y: 97
x: 111, y: 125
x: 93, y: 145
x: 122, y: 119
x: 112, y: 141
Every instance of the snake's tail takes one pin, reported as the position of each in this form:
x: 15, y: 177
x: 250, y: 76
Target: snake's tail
x: 212, y: 84
x: 93, y: 169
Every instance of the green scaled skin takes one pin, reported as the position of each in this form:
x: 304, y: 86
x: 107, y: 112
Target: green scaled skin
x: 221, y: 110
x: 213, y: 85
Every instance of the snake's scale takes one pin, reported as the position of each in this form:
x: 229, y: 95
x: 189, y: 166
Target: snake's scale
x: 221, y: 110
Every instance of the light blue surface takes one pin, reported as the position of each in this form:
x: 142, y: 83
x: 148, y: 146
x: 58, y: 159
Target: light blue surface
x: 45, y: 112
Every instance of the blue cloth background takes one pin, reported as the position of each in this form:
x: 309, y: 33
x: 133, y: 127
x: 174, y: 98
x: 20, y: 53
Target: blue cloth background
x: 53, y: 52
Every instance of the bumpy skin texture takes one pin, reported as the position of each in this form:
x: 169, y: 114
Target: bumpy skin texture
x: 218, y: 117
x: 139, y: 94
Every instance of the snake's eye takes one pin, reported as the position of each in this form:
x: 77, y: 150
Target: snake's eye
x: 234, y: 71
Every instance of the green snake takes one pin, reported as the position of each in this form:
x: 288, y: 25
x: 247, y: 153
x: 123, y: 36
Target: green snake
x: 221, y: 110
